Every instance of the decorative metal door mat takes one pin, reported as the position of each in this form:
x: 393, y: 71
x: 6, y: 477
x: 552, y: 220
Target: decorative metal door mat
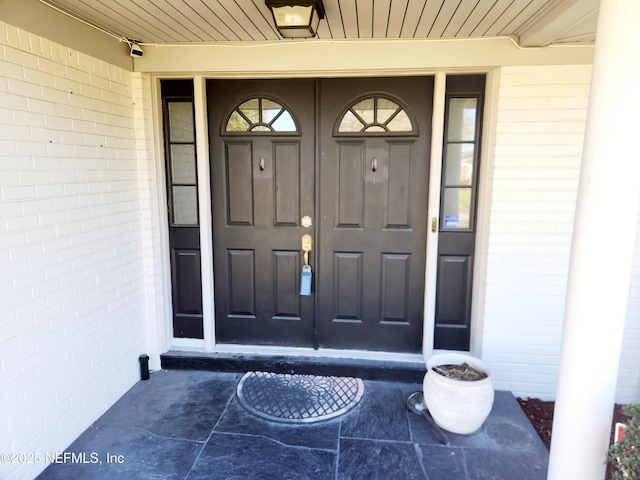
x: 293, y: 398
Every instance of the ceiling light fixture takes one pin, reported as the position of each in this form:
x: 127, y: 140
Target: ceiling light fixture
x: 296, y: 18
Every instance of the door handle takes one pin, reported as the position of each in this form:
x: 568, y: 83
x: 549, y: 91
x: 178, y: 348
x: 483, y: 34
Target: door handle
x: 306, y: 275
x: 307, y: 245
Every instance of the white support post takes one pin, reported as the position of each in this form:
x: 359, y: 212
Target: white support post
x: 602, y: 249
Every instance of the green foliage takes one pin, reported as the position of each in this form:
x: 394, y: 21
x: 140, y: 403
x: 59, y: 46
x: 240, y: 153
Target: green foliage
x: 625, y: 455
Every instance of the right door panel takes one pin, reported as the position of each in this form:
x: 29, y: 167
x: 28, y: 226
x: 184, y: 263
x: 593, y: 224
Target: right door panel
x: 373, y: 169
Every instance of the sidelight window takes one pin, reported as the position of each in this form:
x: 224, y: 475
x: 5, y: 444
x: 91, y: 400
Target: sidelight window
x: 183, y: 184
x: 460, y: 162
x: 182, y: 207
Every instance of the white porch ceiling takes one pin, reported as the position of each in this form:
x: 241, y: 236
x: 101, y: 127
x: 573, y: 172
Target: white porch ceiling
x: 529, y: 22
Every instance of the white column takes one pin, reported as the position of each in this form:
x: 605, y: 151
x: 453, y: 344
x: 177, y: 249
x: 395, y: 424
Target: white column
x: 602, y: 248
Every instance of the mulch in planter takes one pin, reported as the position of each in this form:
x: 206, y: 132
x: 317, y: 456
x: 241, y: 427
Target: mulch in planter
x: 460, y: 372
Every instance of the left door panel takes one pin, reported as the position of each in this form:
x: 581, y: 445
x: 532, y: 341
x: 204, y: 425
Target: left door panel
x: 262, y: 182
x: 182, y: 197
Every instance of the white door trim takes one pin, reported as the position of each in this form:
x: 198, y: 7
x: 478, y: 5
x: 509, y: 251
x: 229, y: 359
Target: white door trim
x: 204, y: 209
x: 433, y: 212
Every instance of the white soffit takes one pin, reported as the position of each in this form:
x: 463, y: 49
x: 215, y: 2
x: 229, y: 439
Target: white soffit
x: 571, y: 21
x: 534, y: 22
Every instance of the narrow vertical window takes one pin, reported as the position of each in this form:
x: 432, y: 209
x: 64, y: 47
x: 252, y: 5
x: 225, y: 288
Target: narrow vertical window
x: 460, y: 163
x: 182, y: 163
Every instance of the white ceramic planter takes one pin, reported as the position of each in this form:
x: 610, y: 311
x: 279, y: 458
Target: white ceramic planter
x: 456, y: 405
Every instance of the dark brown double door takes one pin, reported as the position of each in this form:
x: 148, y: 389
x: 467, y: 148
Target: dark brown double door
x: 350, y: 155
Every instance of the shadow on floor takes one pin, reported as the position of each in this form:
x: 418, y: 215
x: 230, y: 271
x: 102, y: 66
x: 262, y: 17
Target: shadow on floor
x: 189, y: 425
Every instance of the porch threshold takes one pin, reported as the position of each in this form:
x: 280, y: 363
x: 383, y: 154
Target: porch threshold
x: 367, y: 369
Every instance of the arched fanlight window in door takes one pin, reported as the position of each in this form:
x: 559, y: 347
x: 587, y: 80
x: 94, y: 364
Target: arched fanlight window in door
x: 376, y: 114
x: 260, y: 115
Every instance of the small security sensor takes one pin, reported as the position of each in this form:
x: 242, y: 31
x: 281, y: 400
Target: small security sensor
x: 136, y: 50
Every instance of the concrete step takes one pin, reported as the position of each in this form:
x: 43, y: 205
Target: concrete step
x: 384, y: 370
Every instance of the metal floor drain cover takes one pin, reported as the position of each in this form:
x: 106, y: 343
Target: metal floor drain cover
x: 293, y: 398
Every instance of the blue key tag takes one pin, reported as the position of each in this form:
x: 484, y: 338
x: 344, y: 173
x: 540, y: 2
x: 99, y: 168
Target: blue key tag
x: 305, y: 280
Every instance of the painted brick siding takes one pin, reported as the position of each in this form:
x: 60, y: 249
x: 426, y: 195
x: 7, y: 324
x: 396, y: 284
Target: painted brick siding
x: 72, y: 286
x: 541, y: 113
x: 152, y: 220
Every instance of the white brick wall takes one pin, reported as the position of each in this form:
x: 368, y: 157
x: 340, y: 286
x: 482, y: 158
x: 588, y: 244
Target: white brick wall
x: 72, y: 274
x: 153, y: 221
x: 539, y: 132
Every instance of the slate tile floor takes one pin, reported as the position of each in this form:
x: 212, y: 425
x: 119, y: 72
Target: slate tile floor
x: 189, y: 425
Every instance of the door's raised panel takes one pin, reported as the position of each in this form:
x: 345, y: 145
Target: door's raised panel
x: 286, y: 183
x: 395, y: 287
x: 400, y: 185
x: 452, y: 292
x: 239, y: 183
x: 241, y: 268
x: 347, y: 284
x: 350, y: 194
x: 186, y: 264
x: 285, y: 284
x: 453, y: 307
